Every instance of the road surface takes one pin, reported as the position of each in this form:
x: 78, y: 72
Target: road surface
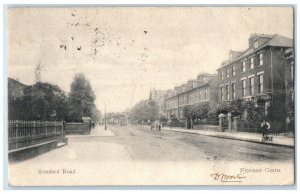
x: 133, y: 155
x: 145, y: 144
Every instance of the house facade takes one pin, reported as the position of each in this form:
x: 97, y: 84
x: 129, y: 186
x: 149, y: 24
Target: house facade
x: 258, y: 74
x: 198, y: 91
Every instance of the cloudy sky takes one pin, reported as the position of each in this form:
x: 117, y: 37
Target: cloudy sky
x: 126, y: 51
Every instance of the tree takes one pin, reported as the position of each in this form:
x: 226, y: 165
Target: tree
x: 237, y: 107
x: 201, y: 111
x: 81, y: 99
x: 41, y: 101
x: 163, y: 118
x: 144, y: 110
x: 244, y: 109
x: 187, y: 113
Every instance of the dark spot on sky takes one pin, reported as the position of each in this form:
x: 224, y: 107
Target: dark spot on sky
x: 145, y: 31
x: 72, y: 14
x: 79, y: 48
x: 63, y: 46
x: 96, y: 29
x: 72, y: 37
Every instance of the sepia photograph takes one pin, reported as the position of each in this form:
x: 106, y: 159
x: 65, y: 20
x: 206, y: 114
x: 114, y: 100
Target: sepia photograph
x: 150, y: 95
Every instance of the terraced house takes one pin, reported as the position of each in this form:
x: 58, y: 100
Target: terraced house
x: 197, y: 91
x: 259, y: 73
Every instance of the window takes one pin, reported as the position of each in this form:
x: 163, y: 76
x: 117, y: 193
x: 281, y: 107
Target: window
x: 233, y: 70
x: 243, y: 88
x: 233, y: 90
x: 222, y: 94
x: 261, y: 59
x: 256, y: 44
x: 199, y: 94
x: 261, y: 83
x: 251, y: 63
x: 205, y: 93
x: 227, y: 92
x: 227, y: 73
x: 251, y: 81
x: 243, y: 66
x: 222, y: 75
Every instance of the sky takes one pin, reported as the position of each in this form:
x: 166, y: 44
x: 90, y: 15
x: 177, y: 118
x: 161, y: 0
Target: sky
x: 126, y: 51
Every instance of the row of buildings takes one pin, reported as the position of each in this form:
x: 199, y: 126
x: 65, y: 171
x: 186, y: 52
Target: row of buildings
x: 264, y: 72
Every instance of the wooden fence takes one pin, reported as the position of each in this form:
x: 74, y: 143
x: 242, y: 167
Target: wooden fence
x: 24, y: 134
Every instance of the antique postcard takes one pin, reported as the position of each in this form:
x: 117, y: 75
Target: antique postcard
x: 107, y: 96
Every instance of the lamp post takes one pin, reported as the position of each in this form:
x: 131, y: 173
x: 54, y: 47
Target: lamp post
x: 105, y: 127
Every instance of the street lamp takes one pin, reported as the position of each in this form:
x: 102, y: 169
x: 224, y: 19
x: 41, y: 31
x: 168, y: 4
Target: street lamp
x: 105, y: 127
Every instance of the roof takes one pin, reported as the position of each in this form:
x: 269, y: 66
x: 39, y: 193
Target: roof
x: 189, y: 89
x: 281, y: 41
x: 13, y: 81
x: 276, y: 41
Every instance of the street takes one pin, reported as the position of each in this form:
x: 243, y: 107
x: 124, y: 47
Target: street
x: 136, y: 155
x: 145, y: 144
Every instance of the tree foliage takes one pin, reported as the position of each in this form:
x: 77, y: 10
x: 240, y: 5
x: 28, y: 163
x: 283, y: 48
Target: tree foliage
x: 44, y: 101
x: 199, y: 111
x: 115, y: 115
x: 41, y: 101
x: 81, y: 99
x: 144, y: 110
x: 244, y: 109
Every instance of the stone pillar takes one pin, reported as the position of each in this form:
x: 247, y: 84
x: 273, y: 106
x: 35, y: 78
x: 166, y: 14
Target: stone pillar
x: 235, y: 121
x: 229, y: 121
x: 221, y: 121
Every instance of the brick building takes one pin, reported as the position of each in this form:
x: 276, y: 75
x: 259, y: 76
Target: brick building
x: 259, y: 74
x: 15, y: 88
x: 15, y: 92
x: 290, y: 88
x: 202, y: 90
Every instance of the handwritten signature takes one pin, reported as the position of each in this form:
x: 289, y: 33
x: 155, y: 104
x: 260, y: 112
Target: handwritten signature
x: 227, y: 178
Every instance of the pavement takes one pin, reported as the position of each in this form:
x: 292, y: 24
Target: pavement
x: 278, y: 140
x: 98, y: 131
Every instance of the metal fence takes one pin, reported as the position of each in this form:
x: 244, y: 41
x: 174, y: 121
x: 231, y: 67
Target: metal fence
x: 22, y: 134
x: 207, y: 122
x: 248, y: 126
x: 78, y: 128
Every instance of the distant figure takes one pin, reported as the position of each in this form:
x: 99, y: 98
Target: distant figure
x: 265, y: 126
x: 159, y: 126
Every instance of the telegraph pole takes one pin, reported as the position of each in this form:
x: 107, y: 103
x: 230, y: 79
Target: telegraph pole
x: 105, y: 127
